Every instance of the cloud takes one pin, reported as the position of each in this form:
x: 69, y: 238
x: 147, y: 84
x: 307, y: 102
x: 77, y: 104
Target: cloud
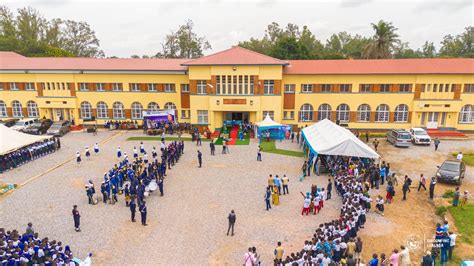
x: 431, y: 6
x: 354, y: 3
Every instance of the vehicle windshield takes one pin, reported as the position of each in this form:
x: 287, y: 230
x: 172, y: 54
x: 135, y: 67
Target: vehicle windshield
x: 36, y: 125
x: 404, y: 136
x: 452, y: 167
x: 56, y: 126
x: 19, y: 123
x: 420, y: 132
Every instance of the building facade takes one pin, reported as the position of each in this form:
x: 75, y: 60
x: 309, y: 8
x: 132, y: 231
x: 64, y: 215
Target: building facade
x: 238, y: 84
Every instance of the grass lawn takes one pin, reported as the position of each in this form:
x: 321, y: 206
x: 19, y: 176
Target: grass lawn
x: 464, y: 221
x: 167, y: 138
x: 271, y: 148
x: 468, y: 157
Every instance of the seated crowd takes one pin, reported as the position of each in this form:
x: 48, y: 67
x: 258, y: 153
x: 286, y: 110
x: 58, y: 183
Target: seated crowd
x: 28, y: 153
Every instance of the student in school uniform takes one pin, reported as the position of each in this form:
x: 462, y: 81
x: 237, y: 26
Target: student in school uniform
x: 143, y: 212
x: 135, y: 152
x: 154, y: 153
x: 119, y: 152
x: 78, y: 157
x: 145, y: 158
x: 142, y: 147
x: 96, y: 149
x: 88, y: 153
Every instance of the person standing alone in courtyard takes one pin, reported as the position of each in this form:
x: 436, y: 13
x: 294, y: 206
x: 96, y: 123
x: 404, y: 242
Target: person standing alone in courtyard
x: 268, y: 195
x: 329, y: 189
x: 77, y: 218
x: 259, y: 153
x: 213, y: 147
x: 200, y: 158
x: 232, y: 217
x: 436, y: 143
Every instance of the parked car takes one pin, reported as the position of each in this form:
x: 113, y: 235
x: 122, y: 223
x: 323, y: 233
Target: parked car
x: 59, y: 128
x: 419, y: 136
x: 399, y: 137
x: 39, y: 127
x: 451, y: 171
x: 24, y: 124
x: 9, y: 122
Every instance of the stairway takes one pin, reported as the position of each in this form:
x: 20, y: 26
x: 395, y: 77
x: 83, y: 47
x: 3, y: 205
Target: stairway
x: 234, y: 134
x: 215, y: 134
x: 445, y: 133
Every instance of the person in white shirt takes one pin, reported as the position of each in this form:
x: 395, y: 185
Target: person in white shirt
x: 452, y: 243
x: 405, y: 256
x: 459, y: 156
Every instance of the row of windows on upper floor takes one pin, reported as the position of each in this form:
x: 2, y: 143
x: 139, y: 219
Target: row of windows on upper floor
x: 237, y: 88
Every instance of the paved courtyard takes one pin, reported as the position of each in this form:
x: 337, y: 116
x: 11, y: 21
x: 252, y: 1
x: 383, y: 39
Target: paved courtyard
x: 187, y: 226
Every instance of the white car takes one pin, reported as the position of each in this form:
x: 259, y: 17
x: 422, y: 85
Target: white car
x: 419, y: 136
x: 24, y: 124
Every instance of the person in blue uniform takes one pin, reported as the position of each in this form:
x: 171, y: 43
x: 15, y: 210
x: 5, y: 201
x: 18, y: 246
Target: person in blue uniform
x: 143, y: 212
x: 78, y: 158
x: 142, y: 147
x: 200, y: 158
x: 88, y: 153
x: 96, y: 149
x: 133, y: 207
x: 119, y: 152
x: 77, y: 217
x: 160, y: 186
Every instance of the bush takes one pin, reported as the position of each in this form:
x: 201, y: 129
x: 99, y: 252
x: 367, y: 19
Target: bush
x: 448, y: 194
x: 441, y: 211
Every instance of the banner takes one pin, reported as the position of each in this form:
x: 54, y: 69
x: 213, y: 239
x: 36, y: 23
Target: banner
x: 160, y: 116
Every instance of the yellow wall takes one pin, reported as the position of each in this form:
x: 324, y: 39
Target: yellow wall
x: 263, y: 72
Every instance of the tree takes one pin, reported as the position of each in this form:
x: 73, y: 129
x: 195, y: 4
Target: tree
x: 184, y: 43
x: 461, y: 45
x: 404, y: 51
x: 428, y: 50
x: 344, y: 45
x: 383, y: 42
x: 80, y: 39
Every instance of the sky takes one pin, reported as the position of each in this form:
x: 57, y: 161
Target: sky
x: 125, y: 28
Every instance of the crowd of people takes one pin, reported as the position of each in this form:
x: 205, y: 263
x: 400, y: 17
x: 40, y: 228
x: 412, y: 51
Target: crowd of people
x: 136, y: 177
x: 129, y: 124
x: 29, y: 249
x: 28, y: 153
x: 276, y: 186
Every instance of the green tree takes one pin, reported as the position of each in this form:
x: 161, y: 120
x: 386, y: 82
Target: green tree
x: 383, y: 42
x: 428, y: 50
x: 80, y: 39
x: 403, y: 50
x: 461, y: 45
x: 344, y: 45
x: 184, y: 43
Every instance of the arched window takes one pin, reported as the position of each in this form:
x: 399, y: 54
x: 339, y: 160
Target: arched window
x: 467, y: 114
x: 382, y: 113
x: 16, y: 109
x: 86, y: 110
x: 32, y: 108
x: 324, y: 111
x: 342, y: 113
x: 137, y: 110
x: 306, y: 112
x: 3, y: 109
x: 170, y: 105
x: 401, y: 113
x: 102, y: 111
x: 153, y: 106
x: 117, y: 110
x: 363, y: 113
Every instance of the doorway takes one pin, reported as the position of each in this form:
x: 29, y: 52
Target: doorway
x: 237, y: 116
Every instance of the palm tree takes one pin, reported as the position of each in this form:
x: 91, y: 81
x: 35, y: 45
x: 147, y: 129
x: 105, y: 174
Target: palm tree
x: 383, y: 42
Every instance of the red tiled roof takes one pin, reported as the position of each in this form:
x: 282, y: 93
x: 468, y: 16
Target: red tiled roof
x: 381, y: 66
x: 235, y: 56
x: 4, y: 54
x: 9, y: 62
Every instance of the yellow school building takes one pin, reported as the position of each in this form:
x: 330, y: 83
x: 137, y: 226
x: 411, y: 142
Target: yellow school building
x: 238, y: 84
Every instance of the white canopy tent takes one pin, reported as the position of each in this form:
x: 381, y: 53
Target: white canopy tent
x: 267, y: 122
x: 325, y: 137
x: 11, y: 140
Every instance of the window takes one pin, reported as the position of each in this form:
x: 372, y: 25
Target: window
x: 363, y: 113
x: 100, y: 87
x: 405, y: 88
x: 423, y: 87
x: 324, y: 111
x: 118, y: 110
x: 289, y: 88
x: 185, y: 87
x: 13, y: 86
x: 435, y: 87
x: 382, y: 113
x: 235, y: 84
x: 384, y: 87
x: 82, y: 87
x: 86, y: 110
x: 185, y: 113
x: 153, y: 106
x: 342, y: 113
x: 49, y: 86
x: 306, y: 87
x: 3, y: 109
x: 251, y: 86
x: 289, y: 115
x: 117, y: 87
x: 170, y: 106
x: 63, y: 85
x: 169, y: 87
x: 137, y: 110
x: 241, y: 91
x: 468, y: 88
x: 151, y: 86
x: 29, y: 86
x: 269, y: 113
x: 134, y: 87
x: 17, y: 109
x: 306, y: 112
x: 102, y: 111
x: 344, y: 87
x: 453, y: 86
x: 1, y: 86
x: 32, y: 109
x: 401, y: 113
x: 218, y: 85
x: 467, y: 114
x: 268, y: 86
x: 446, y: 88
x: 441, y: 87
x: 365, y: 88
x: 201, y: 87
x: 326, y: 88
x: 428, y: 87
x: 202, y: 117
